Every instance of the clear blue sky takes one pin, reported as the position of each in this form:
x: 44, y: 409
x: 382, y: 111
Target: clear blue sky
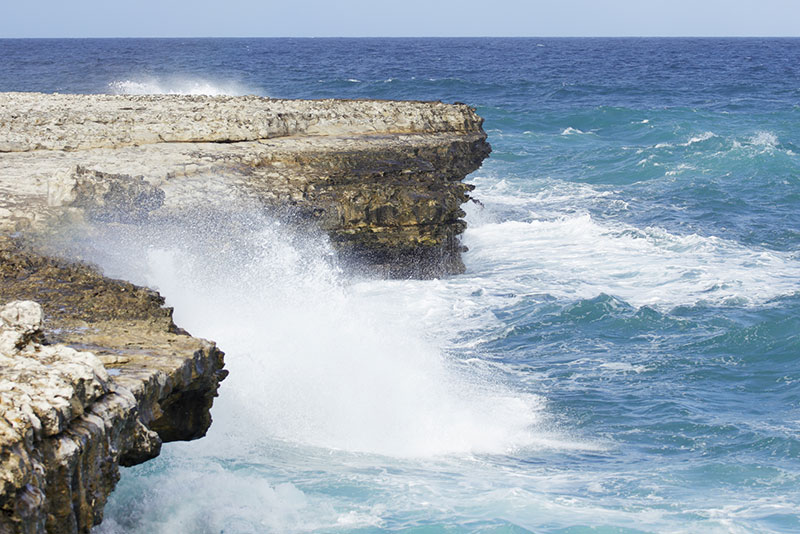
x: 346, y: 18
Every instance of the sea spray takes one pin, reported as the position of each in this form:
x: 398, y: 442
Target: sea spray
x: 311, y: 361
x: 176, y: 85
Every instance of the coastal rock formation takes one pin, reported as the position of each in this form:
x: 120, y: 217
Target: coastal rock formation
x: 94, y: 374
x: 383, y: 179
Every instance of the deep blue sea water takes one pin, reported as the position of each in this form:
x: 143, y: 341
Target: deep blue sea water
x: 621, y: 356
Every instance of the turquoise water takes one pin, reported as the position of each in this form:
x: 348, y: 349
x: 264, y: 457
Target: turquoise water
x: 622, y: 354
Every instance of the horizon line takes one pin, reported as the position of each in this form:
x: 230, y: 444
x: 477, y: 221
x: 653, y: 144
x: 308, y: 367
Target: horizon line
x: 419, y: 37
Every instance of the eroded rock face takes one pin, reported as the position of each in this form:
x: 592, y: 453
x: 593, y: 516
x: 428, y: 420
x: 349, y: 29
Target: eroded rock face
x: 383, y: 179
x: 92, y: 376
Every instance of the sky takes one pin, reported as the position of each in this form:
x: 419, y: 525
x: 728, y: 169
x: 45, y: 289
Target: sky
x: 399, y: 18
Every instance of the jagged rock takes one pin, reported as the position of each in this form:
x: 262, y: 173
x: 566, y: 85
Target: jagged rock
x: 66, y: 423
x: 19, y: 322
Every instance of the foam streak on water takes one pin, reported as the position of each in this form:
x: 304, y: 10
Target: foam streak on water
x: 575, y: 257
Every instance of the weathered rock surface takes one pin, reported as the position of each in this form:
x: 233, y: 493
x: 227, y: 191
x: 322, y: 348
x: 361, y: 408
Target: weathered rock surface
x: 92, y: 376
x: 93, y: 372
x: 383, y: 179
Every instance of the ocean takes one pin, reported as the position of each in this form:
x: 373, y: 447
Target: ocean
x: 622, y: 354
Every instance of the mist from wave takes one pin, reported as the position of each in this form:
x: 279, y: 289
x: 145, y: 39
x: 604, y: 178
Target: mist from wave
x: 178, y: 86
x: 356, y: 384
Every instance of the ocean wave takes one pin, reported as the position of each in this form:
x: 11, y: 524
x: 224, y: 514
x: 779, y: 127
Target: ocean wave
x: 763, y: 138
x: 761, y: 142
x: 711, y: 153
x: 572, y: 131
x: 680, y: 169
x: 576, y: 257
x: 705, y: 136
x: 504, y: 199
x: 368, y: 380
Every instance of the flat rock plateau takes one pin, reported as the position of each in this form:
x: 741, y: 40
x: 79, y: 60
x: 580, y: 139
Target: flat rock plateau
x: 94, y: 374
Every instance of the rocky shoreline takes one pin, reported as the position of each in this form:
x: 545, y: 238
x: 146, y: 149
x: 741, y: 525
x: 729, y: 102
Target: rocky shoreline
x: 93, y: 372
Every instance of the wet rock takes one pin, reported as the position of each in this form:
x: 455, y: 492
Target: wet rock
x: 103, y: 196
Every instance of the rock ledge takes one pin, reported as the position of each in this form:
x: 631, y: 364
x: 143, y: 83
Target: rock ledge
x: 382, y: 178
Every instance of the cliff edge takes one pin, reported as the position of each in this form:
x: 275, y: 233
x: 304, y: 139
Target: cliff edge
x: 93, y: 375
x: 382, y: 178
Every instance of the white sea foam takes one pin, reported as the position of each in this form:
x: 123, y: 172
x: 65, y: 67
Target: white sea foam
x: 177, y: 86
x: 576, y: 257
x: 315, y: 363
x: 503, y: 199
x: 572, y: 131
x: 235, y: 502
x: 705, y: 136
x: 764, y: 139
x: 699, y: 138
x: 680, y: 169
x: 623, y: 367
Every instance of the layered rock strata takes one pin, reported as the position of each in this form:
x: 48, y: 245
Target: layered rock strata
x: 93, y: 372
x: 93, y: 375
x: 383, y: 179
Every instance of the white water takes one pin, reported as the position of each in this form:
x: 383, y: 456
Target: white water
x: 576, y: 257
x: 314, y: 361
x: 343, y: 408
x: 555, y: 249
x: 177, y: 86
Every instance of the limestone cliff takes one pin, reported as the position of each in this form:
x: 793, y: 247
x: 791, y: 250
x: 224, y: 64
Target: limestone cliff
x: 383, y: 179
x: 93, y: 372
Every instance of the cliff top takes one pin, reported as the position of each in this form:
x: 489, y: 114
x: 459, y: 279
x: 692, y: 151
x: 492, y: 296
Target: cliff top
x: 37, y: 121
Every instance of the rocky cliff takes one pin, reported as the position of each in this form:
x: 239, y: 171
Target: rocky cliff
x: 93, y: 375
x: 383, y: 179
x: 93, y: 372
